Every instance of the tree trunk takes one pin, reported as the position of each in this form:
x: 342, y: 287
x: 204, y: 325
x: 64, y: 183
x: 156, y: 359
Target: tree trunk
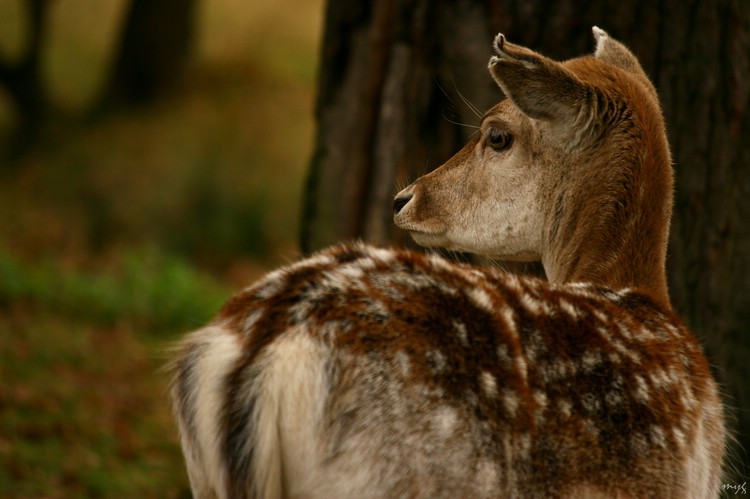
x: 154, y: 50
x: 396, y: 76
x: 388, y: 108
x: 23, y: 79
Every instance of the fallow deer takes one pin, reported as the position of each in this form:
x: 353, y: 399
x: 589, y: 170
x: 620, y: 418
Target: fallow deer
x: 363, y: 372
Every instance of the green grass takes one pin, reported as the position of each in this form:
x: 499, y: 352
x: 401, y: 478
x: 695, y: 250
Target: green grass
x: 83, y: 410
x: 146, y: 291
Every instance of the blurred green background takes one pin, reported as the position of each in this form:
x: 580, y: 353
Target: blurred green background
x: 121, y: 229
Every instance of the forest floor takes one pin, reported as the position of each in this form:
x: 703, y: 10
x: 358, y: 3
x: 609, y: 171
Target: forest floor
x: 120, y: 233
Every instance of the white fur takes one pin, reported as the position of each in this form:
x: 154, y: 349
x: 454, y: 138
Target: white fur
x: 221, y: 352
x: 701, y: 467
x: 601, y: 38
x: 291, y: 392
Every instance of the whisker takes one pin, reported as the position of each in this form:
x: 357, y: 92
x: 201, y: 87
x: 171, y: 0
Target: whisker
x: 467, y: 102
x: 459, y: 123
x: 434, y: 79
x: 426, y: 167
x: 402, y: 184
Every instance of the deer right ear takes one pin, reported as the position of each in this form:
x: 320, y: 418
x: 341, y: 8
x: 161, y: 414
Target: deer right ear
x: 542, y: 88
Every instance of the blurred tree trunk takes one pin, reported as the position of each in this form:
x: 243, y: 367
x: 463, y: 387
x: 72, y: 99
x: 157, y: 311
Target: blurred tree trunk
x: 23, y: 80
x: 154, y: 50
x: 389, y: 109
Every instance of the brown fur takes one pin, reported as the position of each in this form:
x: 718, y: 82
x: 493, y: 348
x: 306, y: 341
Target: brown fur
x: 591, y: 135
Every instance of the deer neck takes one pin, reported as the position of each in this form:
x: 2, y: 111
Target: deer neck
x: 616, y: 237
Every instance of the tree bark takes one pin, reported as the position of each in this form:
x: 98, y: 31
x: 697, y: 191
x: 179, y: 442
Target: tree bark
x: 23, y: 80
x: 395, y: 78
x: 387, y: 108
x: 154, y: 50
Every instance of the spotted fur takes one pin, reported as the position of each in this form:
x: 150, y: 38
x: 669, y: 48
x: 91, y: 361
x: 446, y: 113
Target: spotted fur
x: 367, y: 372
x: 382, y: 373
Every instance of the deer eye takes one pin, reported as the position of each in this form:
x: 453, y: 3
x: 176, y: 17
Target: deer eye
x: 499, y: 139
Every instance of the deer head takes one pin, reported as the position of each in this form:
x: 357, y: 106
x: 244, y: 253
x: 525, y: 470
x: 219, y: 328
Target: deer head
x: 572, y: 169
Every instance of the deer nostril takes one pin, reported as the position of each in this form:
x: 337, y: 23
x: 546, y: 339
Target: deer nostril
x: 400, y: 202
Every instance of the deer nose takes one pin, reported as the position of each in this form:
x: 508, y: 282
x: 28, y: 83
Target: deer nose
x: 401, y: 201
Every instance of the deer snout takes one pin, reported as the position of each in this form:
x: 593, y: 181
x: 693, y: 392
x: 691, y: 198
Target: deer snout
x: 400, y: 201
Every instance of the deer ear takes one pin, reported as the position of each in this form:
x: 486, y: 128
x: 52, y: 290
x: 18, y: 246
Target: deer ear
x: 542, y: 88
x: 615, y: 53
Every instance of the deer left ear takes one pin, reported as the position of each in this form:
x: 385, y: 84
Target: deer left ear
x: 542, y: 88
x: 615, y: 53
